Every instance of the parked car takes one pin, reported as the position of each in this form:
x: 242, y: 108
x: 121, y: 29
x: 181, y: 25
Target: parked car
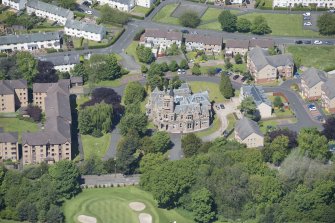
x: 218, y: 70
x: 185, y: 31
x: 243, y: 79
x: 221, y: 106
x: 311, y: 107
x: 328, y: 43
x: 331, y: 10
x: 307, y: 18
x: 88, y: 12
x: 307, y: 14
x: 298, y: 41
x: 307, y: 42
x: 236, y: 77
x: 307, y: 23
x: 317, y: 42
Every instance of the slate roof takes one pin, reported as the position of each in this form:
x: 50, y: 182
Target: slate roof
x: 261, y: 58
x: 29, y: 38
x: 50, y: 8
x: 64, y: 84
x: 83, y: 26
x: 262, y: 43
x: 76, y: 79
x: 57, y: 103
x: 205, y: 39
x: 313, y: 76
x: 60, y: 60
x: 8, y: 86
x: 257, y: 93
x: 11, y: 137
x: 329, y: 88
x: 245, y: 127
x: 235, y: 43
x: 158, y: 33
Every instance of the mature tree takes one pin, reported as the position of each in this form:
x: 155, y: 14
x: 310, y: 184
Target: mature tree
x: 196, y: 69
x: 228, y: 21
x: 95, y: 119
x: 113, y: 69
x: 65, y: 176
x: 326, y: 24
x: 68, y: 4
x: 27, y: 65
x: 277, y: 150
x: 183, y: 64
x: 173, y: 66
x: 54, y: 215
x: 27, y: 211
x: 226, y: 88
x: 150, y: 162
x: 110, y: 15
x: 260, y: 26
x: 238, y: 59
x: 126, y: 160
x: 190, y: 19
x: 190, y: 143
x: 329, y: 128
x: 175, y: 82
x: 243, y: 25
x: 249, y: 108
x: 277, y: 102
x: 265, y: 189
x: 134, y: 93
x: 164, y: 67
x: 203, y: 206
x: 291, y: 135
x: 8, y: 69
x: 173, y: 50
x: 228, y: 65
x: 80, y: 71
x: 92, y: 166
x: 46, y: 73
x: 133, y: 120
x: 144, y: 69
x: 161, y: 142
x: 313, y: 144
x: 144, y: 54
x: 155, y: 75
x: 34, y: 112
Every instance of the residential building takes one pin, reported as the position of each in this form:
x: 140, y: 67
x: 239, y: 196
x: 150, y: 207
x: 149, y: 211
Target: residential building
x: 235, y: 46
x: 262, y: 102
x: 247, y: 132
x: 15, y: 4
x: 207, y: 43
x: 311, y: 83
x: 306, y: 3
x: 86, y: 30
x: 328, y: 95
x: 156, y: 38
x: 53, y: 143
x: 63, y: 64
x: 29, y: 42
x: 49, y: 11
x: 263, y: 43
x: 145, y: 3
x: 13, y: 95
x: 266, y: 68
x: 122, y: 5
x: 178, y: 110
x: 9, y: 146
x: 76, y: 82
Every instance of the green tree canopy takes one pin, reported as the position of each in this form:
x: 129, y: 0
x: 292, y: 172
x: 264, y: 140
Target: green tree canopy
x: 226, y: 88
x: 134, y: 93
x: 27, y: 65
x: 196, y: 69
x: 243, y: 25
x: 190, y: 19
x: 144, y: 54
x: 203, y: 206
x: 260, y: 26
x: 190, y: 144
x: 326, y: 24
x: 183, y: 64
x: 313, y: 144
x: 249, y: 108
x: 173, y: 66
x: 228, y: 21
x: 110, y: 15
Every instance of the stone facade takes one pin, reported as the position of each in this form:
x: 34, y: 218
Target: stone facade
x: 179, y: 111
x: 13, y: 95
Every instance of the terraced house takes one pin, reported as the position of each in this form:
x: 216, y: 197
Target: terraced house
x: 122, y: 5
x: 49, y: 11
x: 294, y: 3
x: 63, y: 64
x: 237, y: 46
x: 85, y: 30
x: 266, y: 68
x: 30, y: 42
x: 13, y: 95
x: 15, y: 4
x: 208, y: 43
x: 163, y: 39
x: 179, y: 111
x: 53, y: 143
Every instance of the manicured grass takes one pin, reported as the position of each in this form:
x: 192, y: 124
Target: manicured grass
x: 231, y: 121
x: 205, y: 69
x: 213, y: 128
x: 212, y: 25
x: 278, y: 112
x: 284, y: 24
x: 213, y: 14
x: 212, y: 88
x: 263, y: 125
x: 17, y: 125
x: 242, y: 68
x: 140, y: 9
x: 113, y: 83
x: 131, y: 50
x: 321, y: 57
x: 95, y: 146
x: 111, y: 205
x: 164, y: 15
x: 81, y: 100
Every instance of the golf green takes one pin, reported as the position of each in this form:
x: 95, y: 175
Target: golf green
x: 110, y: 205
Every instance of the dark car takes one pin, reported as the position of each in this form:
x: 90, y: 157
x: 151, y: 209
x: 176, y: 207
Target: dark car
x: 298, y: 42
x: 218, y: 70
x: 235, y: 77
x: 307, y: 42
x: 328, y: 43
x: 307, y: 18
x: 243, y: 79
x: 221, y: 106
x: 185, y: 31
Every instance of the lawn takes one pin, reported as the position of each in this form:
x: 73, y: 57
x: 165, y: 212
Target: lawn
x: 278, y: 112
x: 212, y: 88
x: 131, y: 50
x: 284, y: 24
x: 212, y: 25
x: 321, y: 57
x: 164, y: 15
x: 231, y: 121
x: 111, y: 205
x: 264, y: 125
x: 213, y: 14
x: 213, y: 128
x: 17, y: 125
x: 140, y: 10
x: 242, y: 68
x: 95, y: 146
x: 81, y: 100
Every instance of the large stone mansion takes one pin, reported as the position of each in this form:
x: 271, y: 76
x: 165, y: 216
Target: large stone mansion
x: 179, y: 110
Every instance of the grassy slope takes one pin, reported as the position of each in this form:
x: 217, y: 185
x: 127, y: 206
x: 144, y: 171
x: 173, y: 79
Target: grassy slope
x: 164, y: 15
x: 140, y: 9
x: 212, y: 88
x: 314, y: 56
x: 131, y: 50
x: 96, y: 146
x: 111, y: 205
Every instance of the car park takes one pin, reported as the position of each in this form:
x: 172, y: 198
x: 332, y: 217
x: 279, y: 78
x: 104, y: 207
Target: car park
x: 236, y: 77
x: 307, y: 23
x: 311, y: 107
x: 317, y: 42
x: 307, y: 42
x: 307, y: 18
x: 298, y: 41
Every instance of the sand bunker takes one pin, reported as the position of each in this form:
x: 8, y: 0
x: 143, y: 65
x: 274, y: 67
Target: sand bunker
x: 137, y: 206
x: 145, y: 218
x: 86, y: 219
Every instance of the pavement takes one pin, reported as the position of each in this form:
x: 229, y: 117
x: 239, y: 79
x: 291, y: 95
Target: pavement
x: 109, y: 179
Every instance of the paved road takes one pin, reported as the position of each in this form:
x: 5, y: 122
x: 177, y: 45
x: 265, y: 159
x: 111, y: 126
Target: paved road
x: 115, y: 138
x: 110, y: 179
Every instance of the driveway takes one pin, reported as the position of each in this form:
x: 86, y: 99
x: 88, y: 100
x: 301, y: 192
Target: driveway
x: 176, y: 152
x: 111, y: 152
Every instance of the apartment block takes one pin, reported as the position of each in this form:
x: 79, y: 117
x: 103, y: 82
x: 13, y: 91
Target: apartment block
x: 9, y: 146
x: 13, y: 95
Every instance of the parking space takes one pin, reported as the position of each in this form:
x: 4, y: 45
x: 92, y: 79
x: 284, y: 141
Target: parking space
x: 315, y: 112
x: 310, y: 22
